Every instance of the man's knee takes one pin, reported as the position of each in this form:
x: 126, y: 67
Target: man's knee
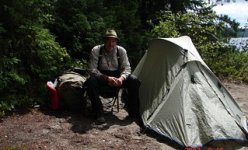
x: 91, y: 81
x: 133, y: 81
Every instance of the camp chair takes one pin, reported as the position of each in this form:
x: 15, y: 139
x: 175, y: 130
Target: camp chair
x: 109, y: 92
x: 105, y: 92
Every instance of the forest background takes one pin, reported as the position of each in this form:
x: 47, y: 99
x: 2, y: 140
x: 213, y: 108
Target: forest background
x: 39, y: 39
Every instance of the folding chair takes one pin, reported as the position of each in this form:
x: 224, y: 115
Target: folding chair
x: 109, y: 92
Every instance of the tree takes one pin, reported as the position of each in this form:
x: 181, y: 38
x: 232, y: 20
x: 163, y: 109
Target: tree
x: 209, y: 33
x: 29, y: 54
x: 84, y: 23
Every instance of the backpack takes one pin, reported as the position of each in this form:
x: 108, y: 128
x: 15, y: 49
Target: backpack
x: 71, y: 91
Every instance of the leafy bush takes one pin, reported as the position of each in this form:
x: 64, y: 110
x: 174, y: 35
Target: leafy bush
x: 38, y: 58
x: 29, y: 53
x: 206, y: 32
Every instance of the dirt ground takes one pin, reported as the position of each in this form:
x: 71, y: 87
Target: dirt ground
x: 43, y: 129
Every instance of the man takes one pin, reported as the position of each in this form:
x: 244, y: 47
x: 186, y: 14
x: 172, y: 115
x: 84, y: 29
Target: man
x: 109, y: 66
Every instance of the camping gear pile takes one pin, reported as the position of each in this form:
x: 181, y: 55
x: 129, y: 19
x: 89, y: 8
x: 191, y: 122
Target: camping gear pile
x: 68, y: 92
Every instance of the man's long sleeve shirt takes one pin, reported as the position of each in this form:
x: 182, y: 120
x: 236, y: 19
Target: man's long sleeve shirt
x: 109, y: 61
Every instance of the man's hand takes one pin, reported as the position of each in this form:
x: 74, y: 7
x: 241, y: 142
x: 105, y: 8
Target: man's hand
x: 120, y: 81
x: 115, y: 82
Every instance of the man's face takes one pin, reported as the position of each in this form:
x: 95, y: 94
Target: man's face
x: 110, y: 43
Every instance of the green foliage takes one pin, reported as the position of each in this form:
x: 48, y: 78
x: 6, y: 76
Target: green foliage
x: 21, y: 147
x: 72, y: 28
x: 29, y: 53
x: 84, y: 23
x: 233, y: 64
x: 49, y: 58
x: 166, y: 26
x: 208, y: 32
x: 7, y: 74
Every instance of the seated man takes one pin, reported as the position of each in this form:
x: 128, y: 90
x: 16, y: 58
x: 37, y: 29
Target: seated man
x: 109, y: 66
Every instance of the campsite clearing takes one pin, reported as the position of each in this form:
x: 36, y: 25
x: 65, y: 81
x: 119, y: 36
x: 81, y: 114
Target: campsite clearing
x: 46, y: 130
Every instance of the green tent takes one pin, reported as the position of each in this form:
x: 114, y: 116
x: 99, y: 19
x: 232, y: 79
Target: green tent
x: 181, y: 98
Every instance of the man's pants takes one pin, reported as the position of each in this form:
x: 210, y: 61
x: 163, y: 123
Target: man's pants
x: 132, y: 85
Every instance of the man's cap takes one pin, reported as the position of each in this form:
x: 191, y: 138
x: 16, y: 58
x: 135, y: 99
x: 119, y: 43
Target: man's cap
x: 111, y: 33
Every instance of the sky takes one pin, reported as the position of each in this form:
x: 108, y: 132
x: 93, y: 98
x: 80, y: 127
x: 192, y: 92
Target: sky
x: 237, y: 11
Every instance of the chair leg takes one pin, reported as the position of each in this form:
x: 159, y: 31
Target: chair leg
x: 116, y: 100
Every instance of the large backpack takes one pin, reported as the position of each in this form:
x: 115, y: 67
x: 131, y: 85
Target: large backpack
x: 71, y: 91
